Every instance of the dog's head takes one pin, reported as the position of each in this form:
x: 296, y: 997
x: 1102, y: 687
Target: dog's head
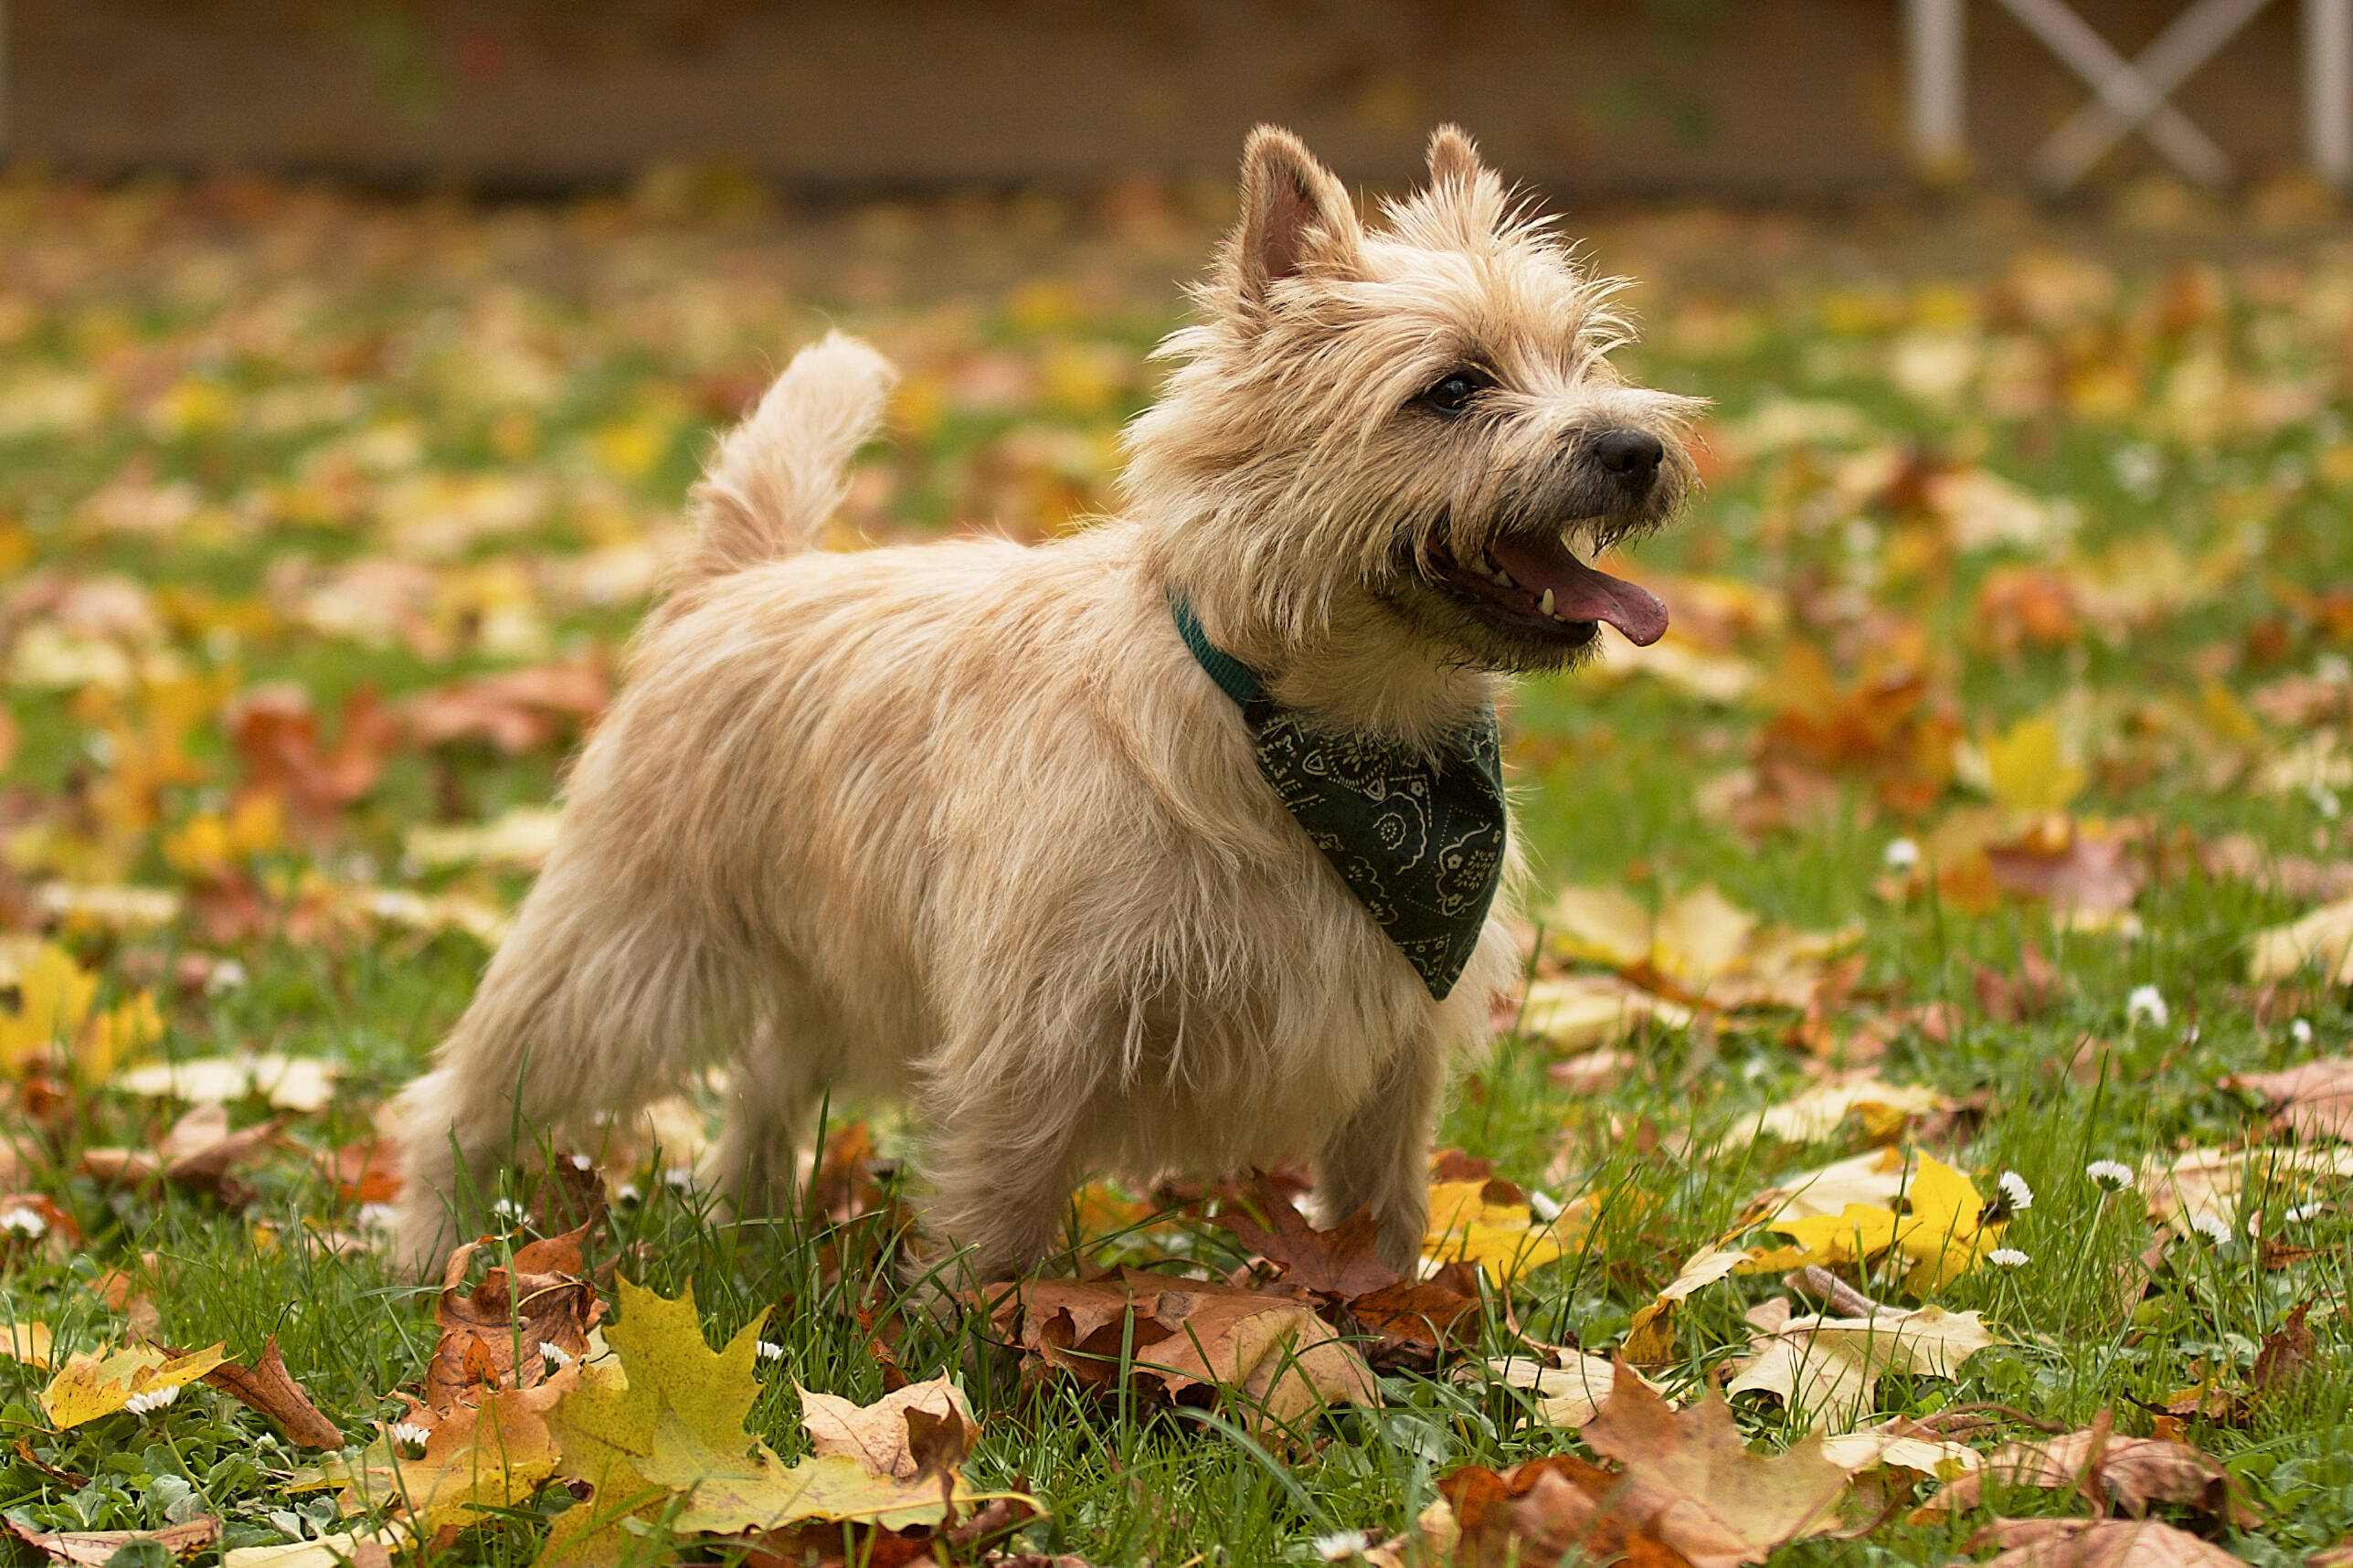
x: 1417, y: 420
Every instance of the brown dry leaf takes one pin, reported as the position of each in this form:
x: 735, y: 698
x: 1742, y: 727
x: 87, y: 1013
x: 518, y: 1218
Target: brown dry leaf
x: 1189, y: 1339
x: 1650, y: 1338
x: 516, y: 710
x: 198, y: 1153
x: 540, y: 1300
x: 276, y: 734
x: 2069, y: 865
x: 1690, y: 1481
x: 266, y: 1386
x: 1338, y: 1262
x: 878, y: 1435
x: 1568, y: 1393
x: 1418, y: 1319
x: 2314, y: 1099
x: 95, y: 1548
x: 2242, y: 857
x: 2097, y: 1544
x: 2127, y: 1473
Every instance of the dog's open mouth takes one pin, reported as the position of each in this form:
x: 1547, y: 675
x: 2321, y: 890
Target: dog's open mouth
x: 1533, y: 585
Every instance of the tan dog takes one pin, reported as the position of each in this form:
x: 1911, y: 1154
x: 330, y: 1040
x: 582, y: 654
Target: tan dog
x: 972, y: 820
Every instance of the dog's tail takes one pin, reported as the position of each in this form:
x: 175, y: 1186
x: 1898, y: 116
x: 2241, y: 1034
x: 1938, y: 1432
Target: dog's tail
x: 778, y: 475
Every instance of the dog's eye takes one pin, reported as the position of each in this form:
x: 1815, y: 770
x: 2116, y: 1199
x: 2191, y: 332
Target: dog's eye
x: 1452, y: 392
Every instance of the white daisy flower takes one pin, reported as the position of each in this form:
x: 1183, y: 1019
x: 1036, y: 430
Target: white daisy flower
x: 1341, y: 1545
x: 582, y: 1162
x: 225, y: 976
x: 408, y: 1434
x: 680, y: 1177
x: 154, y: 1399
x: 557, y: 1353
x: 2299, y: 1031
x: 1901, y: 854
x: 2017, y: 1196
x: 627, y: 1192
x: 2304, y: 1212
x: 2006, y: 1258
x: 18, y: 1220
x: 377, y: 1216
x: 2146, y: 1005
x: 769, y: 1350
x: 2213, y: 1228
x: 506, y: 1209
x: 2110, y: 1175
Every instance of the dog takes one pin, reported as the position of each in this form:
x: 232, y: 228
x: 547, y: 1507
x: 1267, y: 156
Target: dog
x: 1177, y: 844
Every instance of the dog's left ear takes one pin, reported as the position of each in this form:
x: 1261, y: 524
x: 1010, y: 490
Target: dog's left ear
x: 1295, y: 212
x: 1453, y: 156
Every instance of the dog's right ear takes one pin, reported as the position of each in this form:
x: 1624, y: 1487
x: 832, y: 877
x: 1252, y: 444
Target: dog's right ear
x: 1295, y: 212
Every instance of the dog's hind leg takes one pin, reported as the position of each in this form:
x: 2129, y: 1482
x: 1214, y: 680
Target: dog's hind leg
x: 599, y: 998
x: 1379, y: 1158
x: 781, y: 1073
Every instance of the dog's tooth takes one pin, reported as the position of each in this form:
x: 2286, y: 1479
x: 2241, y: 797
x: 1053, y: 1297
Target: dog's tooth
x: 1545, y: 603
x: 1504, y: 578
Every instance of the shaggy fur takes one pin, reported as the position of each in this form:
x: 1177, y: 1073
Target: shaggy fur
x: 967, y: 820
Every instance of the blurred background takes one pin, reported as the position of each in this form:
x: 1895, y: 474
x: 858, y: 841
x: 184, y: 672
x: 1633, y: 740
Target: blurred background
x: 1773, y: 99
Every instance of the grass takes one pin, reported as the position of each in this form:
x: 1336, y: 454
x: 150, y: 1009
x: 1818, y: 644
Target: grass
x: 174, y: 336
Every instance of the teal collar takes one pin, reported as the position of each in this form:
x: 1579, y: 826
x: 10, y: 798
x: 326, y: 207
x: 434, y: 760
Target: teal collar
x: 1419, y: 839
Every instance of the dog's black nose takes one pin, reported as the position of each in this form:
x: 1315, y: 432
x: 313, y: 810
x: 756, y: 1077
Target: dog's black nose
x: 1634, y: 455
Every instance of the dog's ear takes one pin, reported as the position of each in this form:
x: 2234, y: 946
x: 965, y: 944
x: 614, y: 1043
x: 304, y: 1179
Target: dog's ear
x: 1453, y: 156
x: 1294, y: 211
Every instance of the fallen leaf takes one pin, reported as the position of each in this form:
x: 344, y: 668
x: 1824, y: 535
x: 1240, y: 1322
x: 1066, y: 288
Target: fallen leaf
x: 1505, y: 1239
x: 2127, y: 1474
x: 1942, y: 1232
x: 1568, y: 1393
x: 667, y: 1417
x: 289, y: 1083
x: 1339, y: 1263
x: 515, y: 710
x: 2211, y: 1183
x: 492, y: 1335
x: 1692, y: 1482
x: 90, y: 1386
x: 1817, y: 1114
x: 1579, y: 1011
x: 27, y: 1343
x: 198, y: 1153
x: 95, y: 1548
x: 344, y: 1549
x: 494, y: 1454
x: 2097, y: 1544
x: 1418, y: 1319
x: 1650, y: 1337
x: 2314, y: 1099
x: 1188, y: 1339
x: 1827, y: 1369
x: 876, y: 1435
x: 266, y: 1386
x: 2323, y: 939
x: 522, y: 837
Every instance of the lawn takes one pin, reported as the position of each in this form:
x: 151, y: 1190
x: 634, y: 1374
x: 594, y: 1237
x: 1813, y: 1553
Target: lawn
x: 1928, y: 893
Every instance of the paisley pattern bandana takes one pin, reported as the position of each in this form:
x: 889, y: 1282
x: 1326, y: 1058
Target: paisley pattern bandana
x: 1419, y: 839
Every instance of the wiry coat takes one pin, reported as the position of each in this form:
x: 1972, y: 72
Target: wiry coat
x: 969, y: 820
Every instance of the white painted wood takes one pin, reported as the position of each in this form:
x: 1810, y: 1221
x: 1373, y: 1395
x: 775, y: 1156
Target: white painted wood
x: 1936, y: 71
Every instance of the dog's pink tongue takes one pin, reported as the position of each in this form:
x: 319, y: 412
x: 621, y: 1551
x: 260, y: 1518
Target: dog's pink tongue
x: 1579, y: 592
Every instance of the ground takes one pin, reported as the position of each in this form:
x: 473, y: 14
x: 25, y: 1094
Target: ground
x: 2004, y: 714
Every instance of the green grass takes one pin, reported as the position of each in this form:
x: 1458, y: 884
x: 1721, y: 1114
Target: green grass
x: 426, y: 315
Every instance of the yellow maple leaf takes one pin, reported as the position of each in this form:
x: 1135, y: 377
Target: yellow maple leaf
x: 1942, y: 1232
x: 90, y: 1386
x: 667, y: 1421
x: 1501, y: 1238
x: 2027, y: 767
x: 53, y: 998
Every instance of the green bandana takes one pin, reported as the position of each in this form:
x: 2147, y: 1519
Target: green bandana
x: 1419, y: 840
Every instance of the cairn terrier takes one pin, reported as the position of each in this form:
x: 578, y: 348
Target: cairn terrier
x: 1175, y: 844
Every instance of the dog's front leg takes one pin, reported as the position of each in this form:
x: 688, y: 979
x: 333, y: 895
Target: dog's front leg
x: 1379, y: 1158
